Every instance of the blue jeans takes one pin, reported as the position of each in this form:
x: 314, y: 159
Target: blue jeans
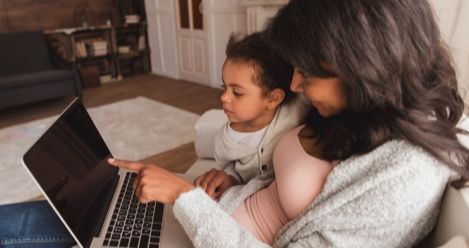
x: 32, y: 224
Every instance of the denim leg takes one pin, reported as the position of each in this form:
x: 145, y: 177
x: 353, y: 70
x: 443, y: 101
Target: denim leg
x: 32, y: 224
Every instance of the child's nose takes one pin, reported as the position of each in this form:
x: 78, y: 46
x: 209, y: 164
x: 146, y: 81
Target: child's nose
x: 224, y: 97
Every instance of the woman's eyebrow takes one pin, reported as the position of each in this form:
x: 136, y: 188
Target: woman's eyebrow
x: 326, y: 67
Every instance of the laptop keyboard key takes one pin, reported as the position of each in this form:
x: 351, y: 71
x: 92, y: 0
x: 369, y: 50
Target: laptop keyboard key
x: 155, y: 234
x: 158, y: 212
x: 124, y: 242
x: 133, y: 242
x: 144, y: 241
x: 156, y: 226
x: 126, y: 234
x: 137, y: 227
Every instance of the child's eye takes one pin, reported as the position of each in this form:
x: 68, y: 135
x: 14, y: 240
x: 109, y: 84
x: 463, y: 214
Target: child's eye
x: 237, y: 93
x: 233, y: 90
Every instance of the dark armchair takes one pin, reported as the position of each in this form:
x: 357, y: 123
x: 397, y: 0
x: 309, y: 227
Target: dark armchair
x: 30, y: 70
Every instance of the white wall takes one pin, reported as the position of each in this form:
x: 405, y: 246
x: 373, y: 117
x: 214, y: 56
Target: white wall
x: 453, y: 18
x: 221, y: 18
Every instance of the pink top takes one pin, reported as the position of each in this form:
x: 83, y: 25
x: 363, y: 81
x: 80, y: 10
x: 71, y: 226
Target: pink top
x: 299, y: 179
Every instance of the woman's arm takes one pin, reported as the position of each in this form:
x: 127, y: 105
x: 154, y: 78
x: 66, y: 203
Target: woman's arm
x: 206, y: 224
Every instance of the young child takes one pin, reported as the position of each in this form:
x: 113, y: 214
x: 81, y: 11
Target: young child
x: 260, y: 109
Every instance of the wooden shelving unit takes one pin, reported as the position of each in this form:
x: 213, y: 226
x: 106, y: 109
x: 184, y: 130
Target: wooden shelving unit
x: 133, y: 54
x: 104, y: 53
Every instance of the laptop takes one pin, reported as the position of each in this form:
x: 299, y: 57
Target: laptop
x: 93, y: 199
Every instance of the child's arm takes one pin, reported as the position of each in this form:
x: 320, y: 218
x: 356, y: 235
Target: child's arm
x: 230, y: 170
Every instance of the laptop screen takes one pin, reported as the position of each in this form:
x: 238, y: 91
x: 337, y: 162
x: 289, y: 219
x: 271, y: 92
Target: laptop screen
x: 69, y: 163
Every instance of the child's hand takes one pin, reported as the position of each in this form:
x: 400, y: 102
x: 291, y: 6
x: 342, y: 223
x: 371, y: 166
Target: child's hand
x: 215, y: 182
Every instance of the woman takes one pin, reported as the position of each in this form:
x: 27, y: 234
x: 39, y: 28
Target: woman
x: 384, y: 104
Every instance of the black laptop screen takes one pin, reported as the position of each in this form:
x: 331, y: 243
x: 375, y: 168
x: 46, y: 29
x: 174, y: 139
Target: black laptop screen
x: 69, y: 163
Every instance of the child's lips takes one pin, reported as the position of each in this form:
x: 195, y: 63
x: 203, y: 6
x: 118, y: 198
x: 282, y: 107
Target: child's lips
x: 227, y: 112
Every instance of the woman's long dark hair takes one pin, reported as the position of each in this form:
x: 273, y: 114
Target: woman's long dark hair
x: 397, y: 72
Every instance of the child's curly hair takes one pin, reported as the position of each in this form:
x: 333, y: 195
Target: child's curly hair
x: 272, y: 71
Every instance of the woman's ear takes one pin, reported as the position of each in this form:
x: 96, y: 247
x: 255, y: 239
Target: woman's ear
x: 276, y: 97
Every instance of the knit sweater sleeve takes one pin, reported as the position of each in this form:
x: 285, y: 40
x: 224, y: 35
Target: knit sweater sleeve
x: 208, y: 225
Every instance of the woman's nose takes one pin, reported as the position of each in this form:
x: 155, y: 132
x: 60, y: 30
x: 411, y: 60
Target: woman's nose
x: 296, y: 84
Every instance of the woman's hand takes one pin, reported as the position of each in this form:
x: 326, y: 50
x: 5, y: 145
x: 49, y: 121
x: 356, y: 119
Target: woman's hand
x: 215, y: 182
x: 154, y: 183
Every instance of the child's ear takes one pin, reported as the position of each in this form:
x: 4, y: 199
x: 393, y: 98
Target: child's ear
x: 276, y: 97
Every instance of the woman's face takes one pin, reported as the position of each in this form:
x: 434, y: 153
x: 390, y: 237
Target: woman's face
x: 325, y: 94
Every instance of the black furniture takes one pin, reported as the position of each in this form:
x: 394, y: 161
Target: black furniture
x: 31, y: 71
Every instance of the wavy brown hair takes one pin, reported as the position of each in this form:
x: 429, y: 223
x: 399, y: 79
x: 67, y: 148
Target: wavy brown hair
x: 397, y: 72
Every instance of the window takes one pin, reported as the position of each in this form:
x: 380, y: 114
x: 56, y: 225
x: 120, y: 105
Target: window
x: 190, y: 16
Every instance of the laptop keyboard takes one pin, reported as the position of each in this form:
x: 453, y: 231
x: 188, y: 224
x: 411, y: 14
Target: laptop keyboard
x: 134, y: 224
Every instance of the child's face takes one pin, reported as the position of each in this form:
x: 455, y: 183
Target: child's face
x: 243, y: 101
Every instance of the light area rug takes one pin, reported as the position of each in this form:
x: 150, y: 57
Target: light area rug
x: 133, y: 129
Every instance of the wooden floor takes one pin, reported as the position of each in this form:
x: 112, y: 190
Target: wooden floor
x: 189, y: 96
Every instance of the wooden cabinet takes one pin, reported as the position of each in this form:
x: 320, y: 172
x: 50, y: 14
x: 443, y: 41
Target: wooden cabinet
x: 103, y: 53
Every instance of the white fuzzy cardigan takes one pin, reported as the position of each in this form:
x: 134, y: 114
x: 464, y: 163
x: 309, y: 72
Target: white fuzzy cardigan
x: 387, y: 198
